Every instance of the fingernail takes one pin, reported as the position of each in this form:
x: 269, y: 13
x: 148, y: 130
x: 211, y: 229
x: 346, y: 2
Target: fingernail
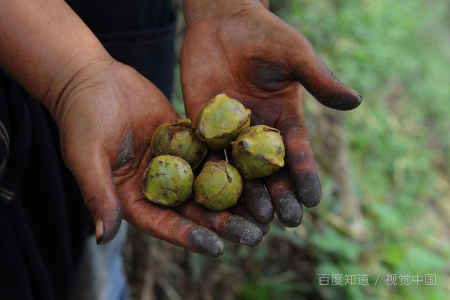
x: 99, y: 231
x: 359, y: 95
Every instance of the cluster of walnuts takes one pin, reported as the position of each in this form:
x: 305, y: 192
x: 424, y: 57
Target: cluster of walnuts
x: 180, y: 148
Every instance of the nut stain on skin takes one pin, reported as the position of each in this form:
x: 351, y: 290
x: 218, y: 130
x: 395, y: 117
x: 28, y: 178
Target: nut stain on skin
x: 126, y: 151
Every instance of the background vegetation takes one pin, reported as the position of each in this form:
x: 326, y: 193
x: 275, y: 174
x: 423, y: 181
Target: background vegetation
x: 384, y: 170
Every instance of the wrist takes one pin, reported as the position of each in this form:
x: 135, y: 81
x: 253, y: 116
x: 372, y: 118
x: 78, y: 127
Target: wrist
x: 45, y: 47
x: 72, y: 70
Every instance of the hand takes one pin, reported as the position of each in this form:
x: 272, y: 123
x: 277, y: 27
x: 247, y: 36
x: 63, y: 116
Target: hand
x: 106, y: 119
x: 106, y: 113
x: 241, y: 49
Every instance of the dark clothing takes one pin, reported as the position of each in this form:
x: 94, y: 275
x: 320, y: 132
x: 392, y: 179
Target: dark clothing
x: 138, y: 33
x: 43, y: 220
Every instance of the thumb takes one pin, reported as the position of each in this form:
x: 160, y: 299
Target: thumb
x: 318, y: 80
x: 93, y: 174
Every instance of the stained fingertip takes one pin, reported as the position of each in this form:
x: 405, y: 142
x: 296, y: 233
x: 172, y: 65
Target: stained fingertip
x: 242, y: 231
x: 257, y: 200
x: 287, y: 207
x: 359, y: 96
x: 110, y: 231
x: 289, y: 210
x: 307, y: 186
x: 107, y: 214
x: 337, y: 96
x: 240, y: 210
x: 346, y: 100
x: 204, y: 241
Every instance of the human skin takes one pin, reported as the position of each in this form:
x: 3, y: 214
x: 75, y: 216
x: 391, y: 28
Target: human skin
x: 106, y: 113
x: 238, y: 47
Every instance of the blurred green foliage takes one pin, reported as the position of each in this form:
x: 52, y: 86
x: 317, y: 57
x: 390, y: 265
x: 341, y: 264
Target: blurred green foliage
x: 396, y: 54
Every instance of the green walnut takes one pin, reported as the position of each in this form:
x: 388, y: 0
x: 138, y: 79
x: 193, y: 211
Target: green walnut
x: 179, y: 139
x: 218, y: 186
x: 259, y: 151
x: 168, y: 180
x: 221, y: 120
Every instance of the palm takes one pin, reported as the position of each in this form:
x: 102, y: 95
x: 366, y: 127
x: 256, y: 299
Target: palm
x: 106, y: 129
x: 256, y: 58
x: 238, y: 57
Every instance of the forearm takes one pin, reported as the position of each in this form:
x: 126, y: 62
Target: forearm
x: 44, y: 45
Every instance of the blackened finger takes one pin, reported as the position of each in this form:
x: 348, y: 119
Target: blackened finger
x: 226, y: 225
x: 287, y: 206
x: 300, y: 162
x: 241, y: 210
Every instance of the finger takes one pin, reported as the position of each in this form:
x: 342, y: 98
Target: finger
x: 315, y: 76
x: 300, y: 162
x: 257, y: 200
x: 240, y: 210
x: 255, y: 197
x: 93, y: 174
x: 166, y: 224
x: 230, y: 227
x: 288, y: 208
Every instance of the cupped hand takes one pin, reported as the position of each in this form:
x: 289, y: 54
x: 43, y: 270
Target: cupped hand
x: 243, y: 50
x: 106, y: 119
